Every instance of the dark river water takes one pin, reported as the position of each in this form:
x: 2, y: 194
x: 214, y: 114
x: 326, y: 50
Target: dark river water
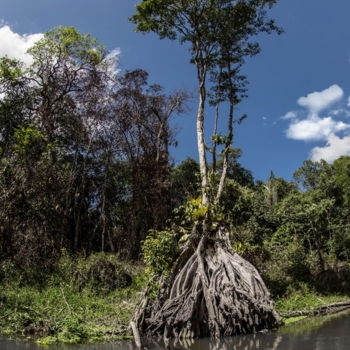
x: 324, y: 333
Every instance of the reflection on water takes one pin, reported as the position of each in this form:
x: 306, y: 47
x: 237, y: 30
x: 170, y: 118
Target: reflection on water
x: 312, y: 324
x: 257, y: 341
x: 6, y: 344
x: 331, y: 332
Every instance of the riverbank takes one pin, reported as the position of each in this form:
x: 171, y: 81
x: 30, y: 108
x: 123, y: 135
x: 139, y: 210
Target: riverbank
x: 91, y: 300
x: 303, y: 302
x: 82, y: 300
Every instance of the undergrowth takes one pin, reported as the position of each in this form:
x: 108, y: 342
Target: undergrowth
x: 87, y: 300
x: 302, y: 297
x: 79, y: 300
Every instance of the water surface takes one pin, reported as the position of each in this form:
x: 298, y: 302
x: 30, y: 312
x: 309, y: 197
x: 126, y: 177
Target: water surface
x: 325, y: 333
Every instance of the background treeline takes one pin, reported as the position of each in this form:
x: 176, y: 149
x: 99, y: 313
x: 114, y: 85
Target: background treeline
x: 85, y: 167
x: 297, y: 233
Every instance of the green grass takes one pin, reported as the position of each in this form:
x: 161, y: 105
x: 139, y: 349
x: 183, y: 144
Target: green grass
x: 57, y: 311
x: 89, y: 300
x: 290, y: 320
x: 304, y: 298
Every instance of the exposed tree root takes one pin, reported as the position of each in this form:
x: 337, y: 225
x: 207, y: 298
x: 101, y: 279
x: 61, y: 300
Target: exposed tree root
x: 214, y: 292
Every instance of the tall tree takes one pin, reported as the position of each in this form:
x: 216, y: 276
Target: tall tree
x: 50, y: 139
x: 141, y: 121
x: 218, y: 34
x: 204, y: 280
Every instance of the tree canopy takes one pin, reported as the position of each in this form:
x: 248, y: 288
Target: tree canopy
x: 219, y: 34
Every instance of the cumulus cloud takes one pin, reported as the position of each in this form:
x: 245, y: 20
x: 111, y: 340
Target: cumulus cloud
x: 334, y: 148
x: 315, y: 129
x: 318, y: 101
x: 15, y: 45
x: 311, y: 125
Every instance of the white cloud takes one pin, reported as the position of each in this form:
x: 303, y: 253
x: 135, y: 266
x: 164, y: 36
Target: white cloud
x: 15, y: 45
x: 337, y: 111
x: 112, y: 60
x: 314, y: 129
x: 318, y: 101
x: 340, y: 111
x: 335, y: 148
x: 290, y: 115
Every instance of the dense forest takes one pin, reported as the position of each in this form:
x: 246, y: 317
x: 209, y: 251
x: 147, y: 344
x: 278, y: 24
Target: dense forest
x: 85, y: 160
x: 85, y: 168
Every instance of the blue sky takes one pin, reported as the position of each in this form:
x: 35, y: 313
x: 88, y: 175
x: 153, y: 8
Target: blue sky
x: 298, y: 104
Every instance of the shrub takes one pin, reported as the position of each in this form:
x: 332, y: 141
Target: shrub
x: 288, y: 266
x: 160, y: 250
x: 101, y: 273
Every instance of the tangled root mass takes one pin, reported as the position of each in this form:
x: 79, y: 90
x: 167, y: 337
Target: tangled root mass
x: 214, y: 292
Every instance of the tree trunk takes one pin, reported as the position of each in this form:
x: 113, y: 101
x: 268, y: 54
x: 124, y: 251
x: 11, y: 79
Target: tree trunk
x: 203, y: 167
x: 226, y: 154
x: 212, y: 291
x: 215, y: 132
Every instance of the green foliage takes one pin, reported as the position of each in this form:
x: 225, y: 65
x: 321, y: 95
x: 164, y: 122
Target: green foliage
x: 59, y: 311
x: 219, y: 139
x: 218, y: 33
x: 69, y: 42
x: 237, y: 201
x: 67, y: 181
x: 341, y: 174
x: 287, y: 265
x: 301, y: 297
x: 194, y: 209
x: 291, y: 320
x: 312, y: 175
x: 160, y: 251
x: 28, y: 140
x: 173, y: 20
x: 277, y: 189
x: 100, y: 273
x: 185, y: 179
x: 77, y: 163
x: 305, y: 217
x: 10, y: 69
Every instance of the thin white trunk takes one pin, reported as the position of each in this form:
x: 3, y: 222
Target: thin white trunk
x: 226, y: 154
x: 215, y: 135
x: 201, y: 142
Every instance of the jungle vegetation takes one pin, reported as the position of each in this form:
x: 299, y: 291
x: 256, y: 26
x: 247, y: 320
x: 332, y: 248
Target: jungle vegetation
x: 88, y: 185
